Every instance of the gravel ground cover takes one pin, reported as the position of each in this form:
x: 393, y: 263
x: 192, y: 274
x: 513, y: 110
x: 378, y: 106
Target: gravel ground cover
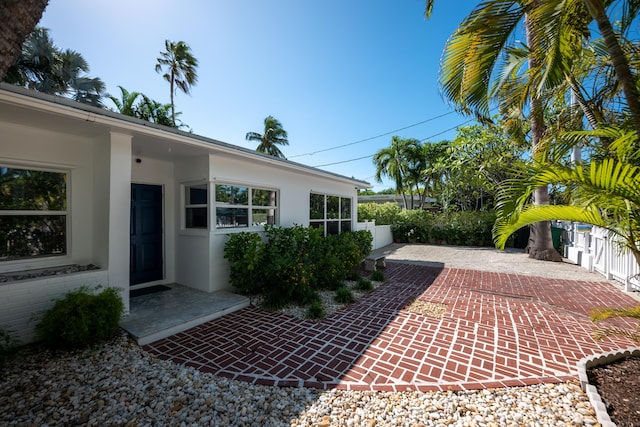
x: 118, y: 384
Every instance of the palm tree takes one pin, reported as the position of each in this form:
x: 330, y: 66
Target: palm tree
x: 42, y: 66
x: 18, y: 18
x: 127, y: 102
x: 274, y: 135
x: 605, y: 193
x: 179, y: 66
x: 393, y: 162
x: 552, y: 30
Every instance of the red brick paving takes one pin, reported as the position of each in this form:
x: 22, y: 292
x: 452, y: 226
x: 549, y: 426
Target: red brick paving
x: 498, y: 330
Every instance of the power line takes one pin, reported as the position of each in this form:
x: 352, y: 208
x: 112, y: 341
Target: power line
x: 371, y: 155
x: 373, y: 137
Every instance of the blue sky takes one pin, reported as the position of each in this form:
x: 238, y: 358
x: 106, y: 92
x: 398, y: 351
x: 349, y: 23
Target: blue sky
x: 334, y: 72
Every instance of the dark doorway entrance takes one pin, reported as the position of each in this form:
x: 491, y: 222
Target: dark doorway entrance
x: 146, y: 234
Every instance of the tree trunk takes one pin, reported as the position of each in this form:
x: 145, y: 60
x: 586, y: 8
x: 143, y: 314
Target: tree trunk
x: 540, y: 240
x: 18, y: 18
x: 618, y: 58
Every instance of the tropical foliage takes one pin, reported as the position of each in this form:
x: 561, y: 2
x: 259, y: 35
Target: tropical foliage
x: 272, y: 136
x: 139, y: 105
x: 44, y: 67
x: 180, y: 69
x: 462, y: 174
x: 485, y: 64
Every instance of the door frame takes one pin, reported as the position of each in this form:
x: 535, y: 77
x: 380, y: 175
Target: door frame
x: 162, y: 236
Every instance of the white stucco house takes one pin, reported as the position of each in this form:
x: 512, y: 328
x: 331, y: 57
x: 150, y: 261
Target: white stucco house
x: 144, y: 203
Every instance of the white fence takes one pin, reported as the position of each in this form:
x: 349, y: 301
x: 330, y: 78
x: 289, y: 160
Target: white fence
x: 381, y: 233
x: 594, y: 249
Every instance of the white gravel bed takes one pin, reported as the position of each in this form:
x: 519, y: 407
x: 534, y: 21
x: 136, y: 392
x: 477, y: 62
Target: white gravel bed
x: 120, y: 384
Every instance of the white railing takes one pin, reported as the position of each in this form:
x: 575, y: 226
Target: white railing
x: 381, y: 233
x: 593, y: 248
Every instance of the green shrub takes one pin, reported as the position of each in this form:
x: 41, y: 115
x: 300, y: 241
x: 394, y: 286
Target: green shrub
x: 315, y: 311
x: 244, y: 253
x: 378, y: 276
x: 8, y: 343
x: 81, y: 318
x: 344, y: 295
x: 382, y: 213
x: 288, y: 269
x: 468, y: 228
x: 364, y: 284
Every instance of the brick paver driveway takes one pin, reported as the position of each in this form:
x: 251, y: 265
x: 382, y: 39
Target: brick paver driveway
x: 497, y: 330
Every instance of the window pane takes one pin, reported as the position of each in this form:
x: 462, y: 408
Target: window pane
x: 24, y: 189
x: 316, y: 206
x: 232, y: 217
x: 345, y: 208
x: 232, y: 195
x: 264, y: 198
x: 345, y: 226
x: 333, y: 207
x: 23, y: 236
x: 333, y: 227
x: 196, y: 218
x: 263, y: 217
x: 196, y: 195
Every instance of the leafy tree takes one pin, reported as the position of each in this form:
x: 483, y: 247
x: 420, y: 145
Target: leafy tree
x: 605, y: 193
x: 274, y: 135
x: 44, y: 67
x: 481, y: 158
x: 393, y: 162
x: 126, y: 104
x: 180, y: 70
x: 18, y: 18
x: 139, y: 105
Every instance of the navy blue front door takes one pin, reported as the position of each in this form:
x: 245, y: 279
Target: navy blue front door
x: 146, y: 234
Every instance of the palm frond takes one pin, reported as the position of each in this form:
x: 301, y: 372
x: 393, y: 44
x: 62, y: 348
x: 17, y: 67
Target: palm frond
x: 473, y: 51
x: 604, y: 313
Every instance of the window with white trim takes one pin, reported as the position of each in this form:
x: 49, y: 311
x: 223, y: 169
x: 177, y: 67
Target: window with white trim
x: 330, y: 213
x: 33, y: 213
x: 196, y: 210
x: 239, y: 206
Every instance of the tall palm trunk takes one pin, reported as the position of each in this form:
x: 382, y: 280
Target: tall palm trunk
x: 18, y: 18
x: 173, y: 106
x: 540, y: 240
x: 618, y: 58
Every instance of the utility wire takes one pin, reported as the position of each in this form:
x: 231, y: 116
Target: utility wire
x: 373, y: 137
x: 371, y: 155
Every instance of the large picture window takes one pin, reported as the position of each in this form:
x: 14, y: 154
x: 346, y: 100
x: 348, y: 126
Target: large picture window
x: 330, y: 213
x: 33, y: 213
x: 242, y: 206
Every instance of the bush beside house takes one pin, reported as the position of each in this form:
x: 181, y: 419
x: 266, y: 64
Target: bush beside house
x: 289, y: 265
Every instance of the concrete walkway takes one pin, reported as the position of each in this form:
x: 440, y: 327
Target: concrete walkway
x: 498, y: 328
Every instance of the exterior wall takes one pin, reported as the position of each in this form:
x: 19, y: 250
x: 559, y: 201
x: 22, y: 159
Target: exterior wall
x: 26, y: 147
x: 294, y: 189
x: 98, y: 212
x: 24, y: 301
x: 192, y: 252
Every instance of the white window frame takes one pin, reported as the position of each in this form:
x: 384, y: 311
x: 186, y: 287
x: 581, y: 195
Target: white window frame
x: 325, y: 220
x: 19, y: 212
x: 251, y: 225
x: 185, y: 205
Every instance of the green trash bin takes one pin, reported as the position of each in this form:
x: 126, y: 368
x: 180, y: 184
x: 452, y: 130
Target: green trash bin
x: 556, y: 235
